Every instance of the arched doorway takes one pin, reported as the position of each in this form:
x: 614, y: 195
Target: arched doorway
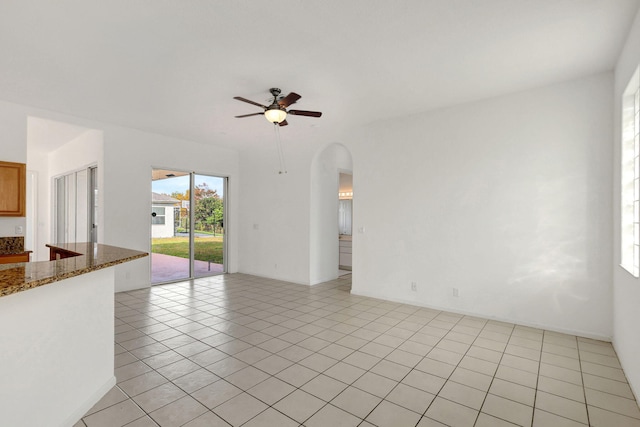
x: 326, y: 168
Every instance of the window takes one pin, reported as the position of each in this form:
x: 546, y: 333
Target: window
x: 176, y: 217
x: 344, y: 217
x: 630, y: 174
x: 158, y: 218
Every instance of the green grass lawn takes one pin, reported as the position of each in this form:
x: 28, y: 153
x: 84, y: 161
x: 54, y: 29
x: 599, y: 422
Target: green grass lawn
x: 207, y: 249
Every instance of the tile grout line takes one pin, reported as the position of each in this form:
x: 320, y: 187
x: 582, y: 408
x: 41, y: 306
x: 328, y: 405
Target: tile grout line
x: 424, y: 414
x: 493, y: 377
x: 584, y: 386
x: 535, y: 394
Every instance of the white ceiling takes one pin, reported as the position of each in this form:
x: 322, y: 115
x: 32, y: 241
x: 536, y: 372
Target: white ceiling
x: 173, y: 66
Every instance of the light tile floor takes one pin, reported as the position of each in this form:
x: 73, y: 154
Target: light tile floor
x: 243, y: 350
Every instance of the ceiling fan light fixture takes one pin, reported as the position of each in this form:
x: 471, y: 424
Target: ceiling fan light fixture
x: 275, y: 114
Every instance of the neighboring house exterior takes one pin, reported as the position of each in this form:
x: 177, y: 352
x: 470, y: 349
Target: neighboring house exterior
x: 162, y: 224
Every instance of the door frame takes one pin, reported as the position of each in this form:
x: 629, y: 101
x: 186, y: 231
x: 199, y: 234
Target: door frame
x: 225, y: 249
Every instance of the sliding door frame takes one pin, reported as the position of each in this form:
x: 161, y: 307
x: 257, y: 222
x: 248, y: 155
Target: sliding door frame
x: 71, y: 198
x: 192, y: 204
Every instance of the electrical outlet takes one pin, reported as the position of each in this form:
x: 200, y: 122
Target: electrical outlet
x: 414, y: 286
x: 456, y: 293
x: 19, y: 229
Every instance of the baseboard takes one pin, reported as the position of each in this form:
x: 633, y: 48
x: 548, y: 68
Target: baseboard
x: 623, y: 363
x: 89, y: 402
x: 135, y: 287
x: 546, y: 327
x: 274, y: 277
x: 323, y: 280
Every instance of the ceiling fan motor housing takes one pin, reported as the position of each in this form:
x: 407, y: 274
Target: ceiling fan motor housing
x: 275, y: 92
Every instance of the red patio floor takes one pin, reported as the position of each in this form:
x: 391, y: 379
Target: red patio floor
x: 167, y: 268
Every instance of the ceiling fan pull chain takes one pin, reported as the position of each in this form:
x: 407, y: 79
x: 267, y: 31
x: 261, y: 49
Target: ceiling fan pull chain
x: 283, y: 168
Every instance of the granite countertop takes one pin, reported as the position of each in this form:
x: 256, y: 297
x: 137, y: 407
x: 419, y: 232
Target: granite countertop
x: 11, y: 245
x: 22, y: 276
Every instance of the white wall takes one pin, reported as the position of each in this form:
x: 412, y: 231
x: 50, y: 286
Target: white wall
x: 507, y: 200
x: 274, y: 214
x: 626, y: 293
x: 38, y: 162
x: 13, y: 148
x: 79, y: 153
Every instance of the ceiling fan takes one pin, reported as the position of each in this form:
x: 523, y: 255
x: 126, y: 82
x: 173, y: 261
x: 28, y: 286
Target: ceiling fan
x: 277, y: 112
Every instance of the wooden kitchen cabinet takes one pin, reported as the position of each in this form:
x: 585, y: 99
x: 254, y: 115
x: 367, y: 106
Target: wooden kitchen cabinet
x: 13, y: 189
x: 11, y: 258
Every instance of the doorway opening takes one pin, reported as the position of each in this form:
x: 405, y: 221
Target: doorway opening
x: 65, y: 170
x: 187, y: 225
x: 325, y: 236
x: 345, y: 222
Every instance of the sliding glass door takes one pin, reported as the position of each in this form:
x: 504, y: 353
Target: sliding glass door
x: 75, y: 206
x: 187, y: 225
x: 170, y: 248
x: 208, y: 225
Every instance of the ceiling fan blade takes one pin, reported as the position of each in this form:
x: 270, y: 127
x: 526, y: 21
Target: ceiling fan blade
x: 239, y: 98
x: 305, y: 113
x: 249, y: 115
x: 283, y: 123
x: 289, y: 99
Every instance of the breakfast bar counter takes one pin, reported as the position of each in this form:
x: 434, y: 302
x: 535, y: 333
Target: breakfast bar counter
x: 78, y: 258
x: 57, y: 333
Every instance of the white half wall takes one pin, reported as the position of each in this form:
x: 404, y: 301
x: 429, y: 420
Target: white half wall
x: 507, y: 200
x: 626, y: 291
x: 57, y: 350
